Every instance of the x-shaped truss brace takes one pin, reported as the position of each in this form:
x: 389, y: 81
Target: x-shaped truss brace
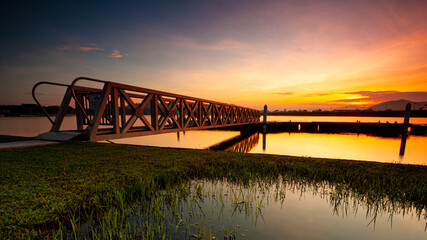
x: 138, y: 111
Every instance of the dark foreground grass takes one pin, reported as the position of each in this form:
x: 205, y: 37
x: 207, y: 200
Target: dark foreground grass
x: 42, y: 187
x: 7, y: 138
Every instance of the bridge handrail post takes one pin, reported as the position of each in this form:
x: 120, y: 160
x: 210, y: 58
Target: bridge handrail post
x: 73, y: 93
x: 33, y: 92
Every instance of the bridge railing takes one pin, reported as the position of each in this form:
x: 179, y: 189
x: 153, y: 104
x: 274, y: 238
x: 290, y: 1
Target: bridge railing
x: 120, y: 111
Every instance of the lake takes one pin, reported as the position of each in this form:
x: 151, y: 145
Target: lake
x: 341, y: 146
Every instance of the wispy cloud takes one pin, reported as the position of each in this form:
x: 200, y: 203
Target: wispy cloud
x: 318, y: 104
x: 303, y: 47
x: 381, y: 96
x: 89, y: 47
x: 76, y: 47
x: 283, y: 93
x: 117, y: 54
x: 317, y: 94
x: 392, y: 95
x: 85, y: 49
x: 351, y: 100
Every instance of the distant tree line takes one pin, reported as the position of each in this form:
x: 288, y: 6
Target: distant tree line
x: 30, y: 110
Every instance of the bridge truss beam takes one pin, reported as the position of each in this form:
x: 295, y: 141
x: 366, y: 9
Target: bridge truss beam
x: 121, y: 111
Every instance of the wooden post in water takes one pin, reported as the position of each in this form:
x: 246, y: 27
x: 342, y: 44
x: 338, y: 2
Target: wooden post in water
x: 264, y: 128
x: 264, y: 122
x: 407, y: 114
x: 405, y: 129
x: 265, y: 114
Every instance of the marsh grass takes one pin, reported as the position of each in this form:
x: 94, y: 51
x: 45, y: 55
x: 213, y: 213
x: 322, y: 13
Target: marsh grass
x: 209, y: 209
x: 49, y: 191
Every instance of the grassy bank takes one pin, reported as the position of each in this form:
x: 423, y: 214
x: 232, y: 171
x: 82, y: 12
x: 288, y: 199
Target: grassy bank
x: 44, y: 186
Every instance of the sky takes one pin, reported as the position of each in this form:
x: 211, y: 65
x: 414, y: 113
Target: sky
x: 286, y: 54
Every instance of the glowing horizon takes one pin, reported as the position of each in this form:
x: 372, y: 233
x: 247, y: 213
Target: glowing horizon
x: 286, y: 54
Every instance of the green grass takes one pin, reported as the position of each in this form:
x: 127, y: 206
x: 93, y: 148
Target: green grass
x: 6, y: 138
x: 45, y: 186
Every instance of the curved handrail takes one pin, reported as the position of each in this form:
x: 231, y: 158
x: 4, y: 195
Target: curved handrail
x: 74, y: 94
x: 37, y: 101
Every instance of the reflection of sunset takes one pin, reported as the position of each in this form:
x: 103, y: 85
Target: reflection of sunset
x: 191, y: 139
x: 341, y: 146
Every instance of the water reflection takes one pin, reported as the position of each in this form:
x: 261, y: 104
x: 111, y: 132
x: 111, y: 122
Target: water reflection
x: 342, y: 146
x: 346, y: 146
x: 270, y: 209
x: 402, y: 146
x: 264, y: 141
x: 243, y: 143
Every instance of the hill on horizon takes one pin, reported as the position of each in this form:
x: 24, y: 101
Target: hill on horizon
x: 398, y: 105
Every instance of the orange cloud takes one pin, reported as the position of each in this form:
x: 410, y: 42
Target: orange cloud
x: 85, y: 49
x: 375, y: 97
x: 303, y: 47
x: 117, y: 54
x: 75, y: 47
x: 391, y: 95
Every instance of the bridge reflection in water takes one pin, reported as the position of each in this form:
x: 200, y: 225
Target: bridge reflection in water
x: 243, y: 143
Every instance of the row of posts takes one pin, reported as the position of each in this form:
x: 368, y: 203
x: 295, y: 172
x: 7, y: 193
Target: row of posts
x: 404, y: 134
x: 403, y: 140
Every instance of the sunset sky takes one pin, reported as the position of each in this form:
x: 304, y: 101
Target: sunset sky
x: 286, y: 54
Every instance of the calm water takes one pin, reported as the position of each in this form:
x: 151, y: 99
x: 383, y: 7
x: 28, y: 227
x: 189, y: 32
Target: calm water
x: 343, y: 146
x: 277, y: 210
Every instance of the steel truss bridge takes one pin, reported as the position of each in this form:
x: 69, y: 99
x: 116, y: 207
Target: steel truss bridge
x: 120, y: 111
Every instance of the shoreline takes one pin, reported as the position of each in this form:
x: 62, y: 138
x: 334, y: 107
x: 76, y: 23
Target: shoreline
x: 414, y: 114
